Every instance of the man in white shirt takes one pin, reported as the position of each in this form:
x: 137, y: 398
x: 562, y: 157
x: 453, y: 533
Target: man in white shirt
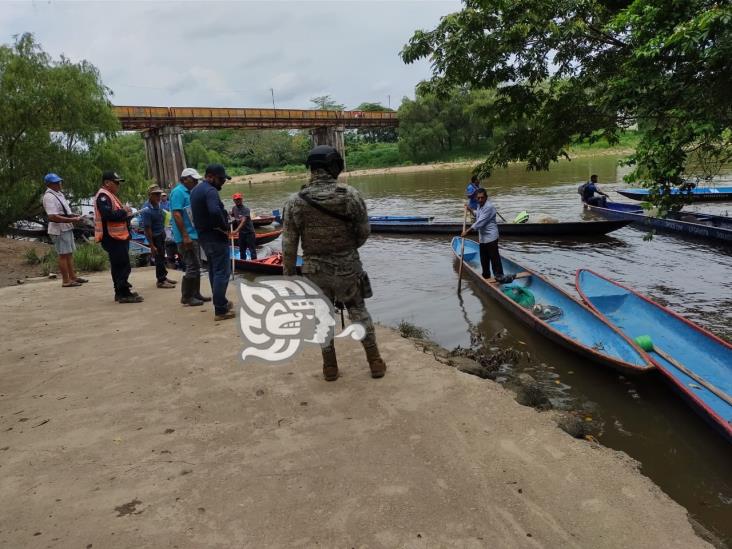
x: 61, y: 229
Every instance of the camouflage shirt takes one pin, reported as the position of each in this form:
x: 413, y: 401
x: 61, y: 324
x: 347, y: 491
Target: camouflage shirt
x: 327, y: 242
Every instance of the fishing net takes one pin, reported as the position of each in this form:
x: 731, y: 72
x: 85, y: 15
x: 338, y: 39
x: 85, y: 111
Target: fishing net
x: 520, y: 295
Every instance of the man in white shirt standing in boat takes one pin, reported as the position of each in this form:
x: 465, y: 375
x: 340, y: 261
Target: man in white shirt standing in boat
x: 487, y: 227
x: 61, y: 229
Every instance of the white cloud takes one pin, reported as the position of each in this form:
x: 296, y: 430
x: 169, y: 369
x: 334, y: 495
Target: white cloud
x: 232, y: 53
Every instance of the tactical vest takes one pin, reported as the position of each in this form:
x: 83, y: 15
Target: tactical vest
x: 116, y: 229
x: 323, y: 233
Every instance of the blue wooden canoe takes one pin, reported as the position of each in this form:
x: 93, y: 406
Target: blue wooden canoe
x: 698, y: 225
x: 697, y: 349
x: 578, y: 329
x: 697, y: 194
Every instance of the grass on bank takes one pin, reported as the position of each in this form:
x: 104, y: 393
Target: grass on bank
x: 407, y: 329
x: 88, y: 257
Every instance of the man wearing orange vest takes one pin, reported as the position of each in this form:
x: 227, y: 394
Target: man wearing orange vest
x: 111, y: 228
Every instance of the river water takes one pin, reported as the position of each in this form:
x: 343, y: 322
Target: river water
x: 415, y: 279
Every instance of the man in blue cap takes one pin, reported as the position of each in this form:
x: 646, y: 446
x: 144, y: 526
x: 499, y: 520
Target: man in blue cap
x: 212, y: 224
x: 61, y: 229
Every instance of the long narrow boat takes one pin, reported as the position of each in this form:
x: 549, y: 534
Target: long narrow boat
x: 697, y: 194
x: 269, y: 265
x: 262, y: 220
x: 698, y: 225
x: 376, y: 218
x: 400, y: 219
x: 695, y: 348
x: 260, y: 238
x: 575, y: 229
x: 578, y: 329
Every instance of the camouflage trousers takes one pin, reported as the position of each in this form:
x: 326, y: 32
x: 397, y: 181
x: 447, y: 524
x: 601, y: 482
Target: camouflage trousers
x: 346, y: 290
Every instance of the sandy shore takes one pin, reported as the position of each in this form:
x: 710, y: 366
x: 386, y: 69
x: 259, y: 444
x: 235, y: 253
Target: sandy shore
x: 417, y: 168
x: 138, y: 426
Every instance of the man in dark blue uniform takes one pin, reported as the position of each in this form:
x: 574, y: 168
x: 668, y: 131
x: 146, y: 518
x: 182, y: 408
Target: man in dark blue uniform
x: 111, y: 228
x: 212, y: 224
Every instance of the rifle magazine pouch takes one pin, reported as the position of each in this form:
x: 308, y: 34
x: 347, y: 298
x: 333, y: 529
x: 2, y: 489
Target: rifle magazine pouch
x: 366, y: 290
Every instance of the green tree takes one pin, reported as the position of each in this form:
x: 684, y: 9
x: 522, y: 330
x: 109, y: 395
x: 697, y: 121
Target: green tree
x: 326, y: 103
x: 125, y: 154
x: 585, y: 70
x: 53, y: 115
x: 376, y: 135
x: 434, y: 124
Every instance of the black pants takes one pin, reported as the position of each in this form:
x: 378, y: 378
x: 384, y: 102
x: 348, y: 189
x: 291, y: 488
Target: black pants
x: 247, y: 241
x: 161, y: 273
x: 119, y: 261
x: 489, y: 257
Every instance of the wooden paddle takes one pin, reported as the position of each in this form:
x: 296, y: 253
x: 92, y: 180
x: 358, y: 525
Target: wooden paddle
x: 232, y: 253
x: 646, y: 343
x: 462, y: 251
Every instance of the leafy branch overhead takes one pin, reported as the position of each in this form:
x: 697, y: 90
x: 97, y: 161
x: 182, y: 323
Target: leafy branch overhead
x: 55, y: 116
x: 567, y: 70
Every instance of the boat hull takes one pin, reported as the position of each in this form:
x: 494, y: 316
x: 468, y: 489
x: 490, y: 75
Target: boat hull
x: 699, y: 194
x: 578, y: 229
x: 579, y: 330
x: 262, y: 220
x: 270, y: 265
x: 715, y: 228
x: 694, y: 347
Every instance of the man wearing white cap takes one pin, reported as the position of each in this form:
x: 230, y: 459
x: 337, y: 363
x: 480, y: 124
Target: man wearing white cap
x: 61, y: 229
x: 186, y: 238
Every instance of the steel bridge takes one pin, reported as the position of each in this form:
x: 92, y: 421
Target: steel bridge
x: 146, y: 118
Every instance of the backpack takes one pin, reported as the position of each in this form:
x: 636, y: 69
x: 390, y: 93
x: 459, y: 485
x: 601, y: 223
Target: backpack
x: 581, y: 189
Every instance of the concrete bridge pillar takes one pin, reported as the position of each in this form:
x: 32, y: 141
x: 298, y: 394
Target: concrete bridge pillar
x: 332, y: 136
x: 165, y: 157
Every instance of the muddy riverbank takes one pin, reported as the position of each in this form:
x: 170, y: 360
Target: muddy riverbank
x: 137, y: 425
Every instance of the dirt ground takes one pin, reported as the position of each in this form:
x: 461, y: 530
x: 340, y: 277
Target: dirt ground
x: 139, y: 426
x: 13, y: 266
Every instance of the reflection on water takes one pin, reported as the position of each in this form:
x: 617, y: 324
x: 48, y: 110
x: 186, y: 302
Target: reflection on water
x: 414, y: 279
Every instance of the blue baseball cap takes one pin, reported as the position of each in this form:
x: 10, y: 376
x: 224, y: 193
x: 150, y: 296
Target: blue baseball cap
x: 52, y: 178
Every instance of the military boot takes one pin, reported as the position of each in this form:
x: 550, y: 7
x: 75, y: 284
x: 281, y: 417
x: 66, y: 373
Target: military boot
x: 330, y: 364
x: 376, y: 363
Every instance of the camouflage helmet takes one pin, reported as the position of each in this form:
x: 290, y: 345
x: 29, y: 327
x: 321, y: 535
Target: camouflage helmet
x: 324, y: 156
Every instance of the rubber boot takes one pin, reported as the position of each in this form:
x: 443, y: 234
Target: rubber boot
x: 330, y: 364
x: 376, y: 363
x: 197, y: 291
x: 188, y: 286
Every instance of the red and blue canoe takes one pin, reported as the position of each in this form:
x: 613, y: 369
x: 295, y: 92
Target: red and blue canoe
x: 697, y: 349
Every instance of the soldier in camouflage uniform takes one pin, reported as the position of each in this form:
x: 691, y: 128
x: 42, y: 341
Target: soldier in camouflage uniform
x: 330, y: 220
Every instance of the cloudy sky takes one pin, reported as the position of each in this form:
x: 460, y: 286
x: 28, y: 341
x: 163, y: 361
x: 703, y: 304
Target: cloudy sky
x: 230, y: 54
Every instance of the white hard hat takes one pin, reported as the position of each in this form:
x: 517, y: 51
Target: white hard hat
x: 190, y: 172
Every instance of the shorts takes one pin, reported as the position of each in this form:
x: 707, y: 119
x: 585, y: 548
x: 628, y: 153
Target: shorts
x: 64, y: 242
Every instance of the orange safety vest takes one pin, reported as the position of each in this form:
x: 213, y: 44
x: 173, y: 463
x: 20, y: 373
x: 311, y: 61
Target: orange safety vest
x: 116, y: 229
